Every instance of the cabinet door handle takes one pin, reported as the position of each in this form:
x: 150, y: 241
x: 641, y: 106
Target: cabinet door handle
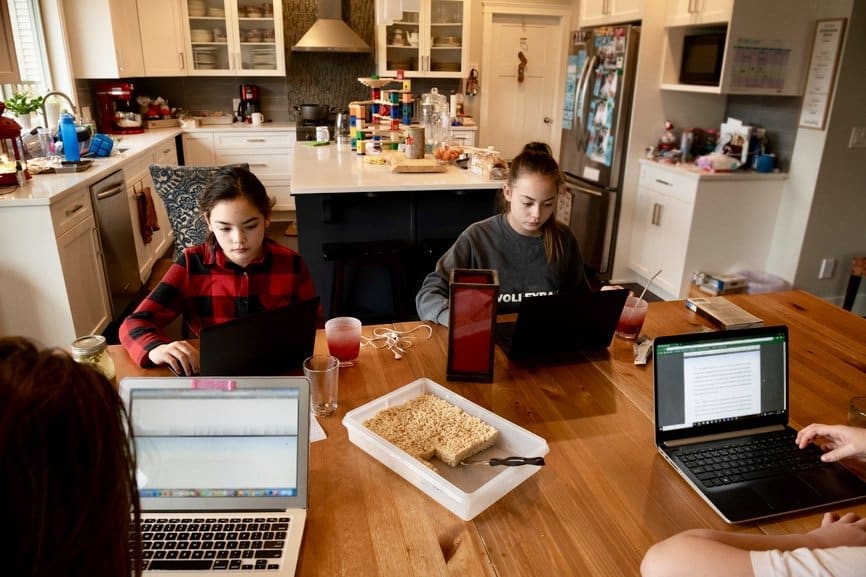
x: 180, y: 59
x: 664, y: 182
x: 254, y: 140
x: 110, y: 192
x: 657, y: 214
x: 262, y: 164
x: 74, y: 209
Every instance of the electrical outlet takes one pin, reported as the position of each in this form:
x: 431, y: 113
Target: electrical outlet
x: 827, y: 267
x: 858, y: 137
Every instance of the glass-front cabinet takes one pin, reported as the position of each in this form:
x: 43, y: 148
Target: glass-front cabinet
x: 431, y: 42
x: 225, y: 37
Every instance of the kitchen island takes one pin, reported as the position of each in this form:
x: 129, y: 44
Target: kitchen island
x: 340, y: 197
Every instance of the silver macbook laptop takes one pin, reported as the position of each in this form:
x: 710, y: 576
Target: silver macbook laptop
x: 721, y: 419
x: 222, y: 472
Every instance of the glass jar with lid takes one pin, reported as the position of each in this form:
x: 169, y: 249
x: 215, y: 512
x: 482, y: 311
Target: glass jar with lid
x: 91, y: 350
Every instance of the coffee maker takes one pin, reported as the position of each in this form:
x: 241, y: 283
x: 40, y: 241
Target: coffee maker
x: 118, y: 112
x: 249, y: 102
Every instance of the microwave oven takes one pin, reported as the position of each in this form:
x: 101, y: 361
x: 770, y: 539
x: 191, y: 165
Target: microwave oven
x: 703, y: 55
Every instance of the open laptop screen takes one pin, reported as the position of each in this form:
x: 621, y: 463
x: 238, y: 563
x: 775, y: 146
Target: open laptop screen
x: 209, y: 449
x: 714, y: 382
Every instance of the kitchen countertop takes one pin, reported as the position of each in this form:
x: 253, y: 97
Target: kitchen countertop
x: 243, y: 126
x: 692, y: 170
x: 337, y: 169
x: 47, y: 189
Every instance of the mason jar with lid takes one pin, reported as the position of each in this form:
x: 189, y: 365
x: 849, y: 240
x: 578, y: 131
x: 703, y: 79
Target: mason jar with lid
x: 91, y: 350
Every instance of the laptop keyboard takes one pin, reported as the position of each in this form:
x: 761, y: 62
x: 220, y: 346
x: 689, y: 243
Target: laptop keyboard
x: 749, y: 458
x: 207, y: 544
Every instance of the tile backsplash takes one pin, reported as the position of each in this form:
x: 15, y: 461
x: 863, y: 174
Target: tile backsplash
x: 311, y: 77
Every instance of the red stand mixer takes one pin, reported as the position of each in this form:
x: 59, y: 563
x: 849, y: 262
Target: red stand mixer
x: 12, y: 155
x: 117, y: 109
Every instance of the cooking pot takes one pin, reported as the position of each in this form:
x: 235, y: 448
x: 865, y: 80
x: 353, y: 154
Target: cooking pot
x: 314, y: 111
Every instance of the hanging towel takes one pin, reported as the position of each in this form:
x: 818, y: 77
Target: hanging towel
x: 147, y: 221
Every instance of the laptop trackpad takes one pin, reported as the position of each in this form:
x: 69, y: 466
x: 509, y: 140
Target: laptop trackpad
x: 785, y: 493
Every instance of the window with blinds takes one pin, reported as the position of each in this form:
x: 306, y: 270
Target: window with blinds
x: 29, y: 44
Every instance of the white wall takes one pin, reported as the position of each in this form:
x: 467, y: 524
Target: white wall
x: 824, y: 202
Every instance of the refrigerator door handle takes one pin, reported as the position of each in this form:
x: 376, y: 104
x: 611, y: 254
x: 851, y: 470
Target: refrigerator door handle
x: 583, y: 90
x: 583, y: 189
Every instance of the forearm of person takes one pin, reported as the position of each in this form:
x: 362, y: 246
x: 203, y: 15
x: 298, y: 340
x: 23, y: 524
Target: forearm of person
x: 723, y: 553
x: 432, y: 299
x: 699, y: 552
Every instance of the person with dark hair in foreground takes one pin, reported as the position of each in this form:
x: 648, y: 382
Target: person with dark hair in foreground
x: 67, y: 468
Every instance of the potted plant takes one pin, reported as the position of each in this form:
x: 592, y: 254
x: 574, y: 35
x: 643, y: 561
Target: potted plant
x: 21, y: 105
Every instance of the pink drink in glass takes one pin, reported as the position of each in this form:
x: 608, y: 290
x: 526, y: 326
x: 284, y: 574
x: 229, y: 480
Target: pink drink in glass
x: 631, y: 320
x: 344, y: 337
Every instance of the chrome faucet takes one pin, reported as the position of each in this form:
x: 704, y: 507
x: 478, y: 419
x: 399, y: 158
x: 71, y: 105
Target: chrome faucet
x: 45, y: 99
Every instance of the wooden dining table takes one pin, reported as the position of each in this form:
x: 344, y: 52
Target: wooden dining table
x: 605, y: 494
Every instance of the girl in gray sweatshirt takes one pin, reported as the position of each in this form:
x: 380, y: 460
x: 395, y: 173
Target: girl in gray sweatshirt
x: 532, y: 253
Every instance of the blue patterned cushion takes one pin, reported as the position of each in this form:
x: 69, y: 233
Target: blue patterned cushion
x: 180, y: 187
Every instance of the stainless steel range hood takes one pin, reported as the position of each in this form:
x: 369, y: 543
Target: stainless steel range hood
x: 329, y: 33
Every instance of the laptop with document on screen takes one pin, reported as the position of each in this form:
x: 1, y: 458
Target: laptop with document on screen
x: 222, y: 474
x: 721, y: 420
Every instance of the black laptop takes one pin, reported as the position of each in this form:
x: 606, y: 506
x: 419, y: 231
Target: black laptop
x: 721, y: 419
x: 562, y: 324
x: 273, y: 342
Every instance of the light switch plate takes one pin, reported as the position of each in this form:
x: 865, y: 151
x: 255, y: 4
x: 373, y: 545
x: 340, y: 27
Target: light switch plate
x: 858, y: 137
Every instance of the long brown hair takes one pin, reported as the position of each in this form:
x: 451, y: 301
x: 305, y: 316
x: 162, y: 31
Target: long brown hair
x: 537, y: 158
x: 67, y: 468
x: 230, y: 183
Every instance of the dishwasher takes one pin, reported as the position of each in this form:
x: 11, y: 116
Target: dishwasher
x: 116, y: 232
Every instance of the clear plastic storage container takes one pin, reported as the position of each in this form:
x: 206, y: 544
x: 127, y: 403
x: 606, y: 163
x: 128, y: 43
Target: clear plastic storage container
x: 465, y: 491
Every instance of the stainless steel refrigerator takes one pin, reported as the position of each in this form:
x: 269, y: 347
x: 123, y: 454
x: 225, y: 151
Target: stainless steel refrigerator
x: 595, y: 121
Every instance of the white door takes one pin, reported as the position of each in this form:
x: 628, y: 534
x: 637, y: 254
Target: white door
x: 522, y: 92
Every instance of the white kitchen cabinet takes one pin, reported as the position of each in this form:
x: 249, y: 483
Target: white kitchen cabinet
x: 104, y: 38
x: 685, y: 12
x: 162, y: 40
x: 686, y: 221
x: 464, y: 136
x: 431, y: 43
x: 228, y: 37
x: 765, y: 48
x: 198, y: 149
x: 53, y: 282
x: 269, y: 155
x: 604, y: 12
x: 8, y: 58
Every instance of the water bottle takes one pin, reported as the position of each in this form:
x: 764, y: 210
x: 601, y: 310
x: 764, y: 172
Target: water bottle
x: 69, y: 138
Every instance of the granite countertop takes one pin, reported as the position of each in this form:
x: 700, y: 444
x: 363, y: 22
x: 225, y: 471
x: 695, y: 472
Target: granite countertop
x: 47, y: 189
x: 335, y: 169
x: 692, y: 170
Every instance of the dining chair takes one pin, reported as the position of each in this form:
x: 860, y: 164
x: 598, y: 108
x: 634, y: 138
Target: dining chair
x: 180, y: 187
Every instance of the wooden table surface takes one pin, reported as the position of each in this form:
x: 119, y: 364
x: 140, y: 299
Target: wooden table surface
x: 605, y: 494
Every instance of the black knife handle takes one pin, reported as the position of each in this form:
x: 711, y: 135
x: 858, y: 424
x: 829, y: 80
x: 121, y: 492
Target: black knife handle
x: 516, y: 461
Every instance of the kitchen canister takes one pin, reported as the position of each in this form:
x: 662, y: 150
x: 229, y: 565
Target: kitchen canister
x: 414, y: 142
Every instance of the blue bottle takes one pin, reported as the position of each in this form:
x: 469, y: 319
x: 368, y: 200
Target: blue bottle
x: 69, y: 138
